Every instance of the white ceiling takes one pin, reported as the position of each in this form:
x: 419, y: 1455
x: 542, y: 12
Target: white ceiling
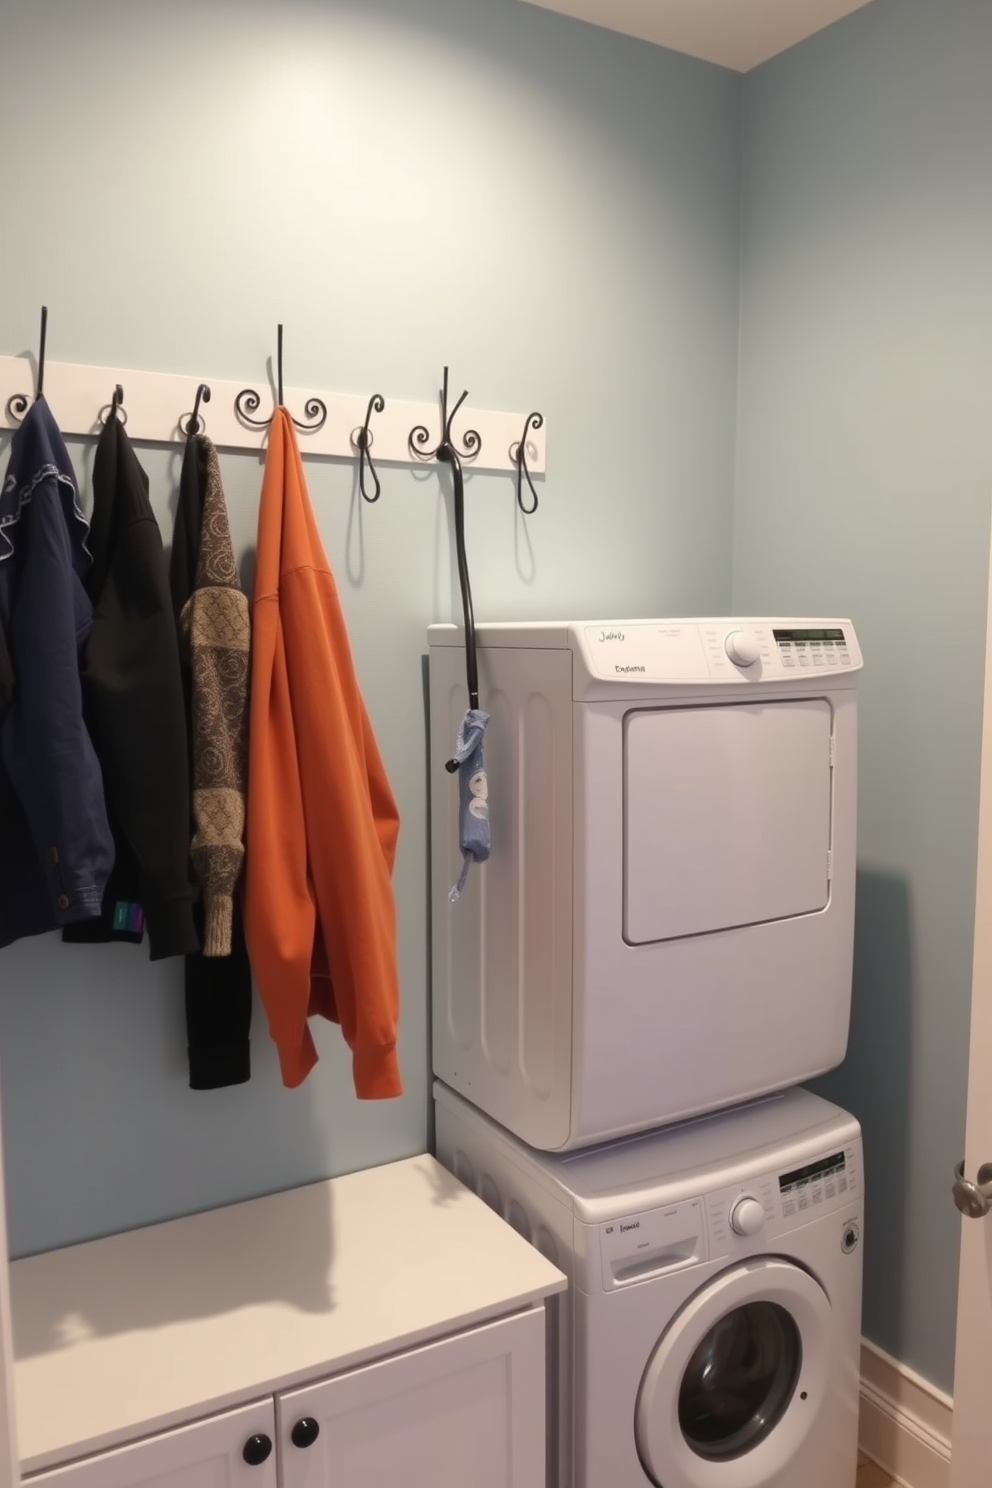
x: 734, y: 33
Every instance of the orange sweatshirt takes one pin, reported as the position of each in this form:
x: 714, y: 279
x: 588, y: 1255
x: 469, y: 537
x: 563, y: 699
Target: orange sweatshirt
x: 320, y: 919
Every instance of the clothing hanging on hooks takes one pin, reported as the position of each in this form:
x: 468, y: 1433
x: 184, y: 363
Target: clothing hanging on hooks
x: 212, y: 618
x: 6, y: 676
x: 56, y: 848
x: 320, y: 920
x: 133, y: 704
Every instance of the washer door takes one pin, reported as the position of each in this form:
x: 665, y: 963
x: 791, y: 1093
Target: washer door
x: 737, y: 1380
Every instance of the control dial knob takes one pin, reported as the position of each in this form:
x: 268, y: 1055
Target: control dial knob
x: 742, y: 647
x: 747, y: 1215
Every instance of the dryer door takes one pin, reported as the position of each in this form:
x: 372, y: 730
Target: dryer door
x: 726, y: 816
x: 736, y: 1381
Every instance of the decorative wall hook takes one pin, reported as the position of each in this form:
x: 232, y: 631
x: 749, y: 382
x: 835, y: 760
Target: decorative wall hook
x: 362, y: 440
x: 446, y: 450
x: 114, y: 409
x: 40, y: 388
x: 518, y: 453
x: 194, y: 424
x: 18, y: 403
x: 419, y: 436
x: 248, y: 402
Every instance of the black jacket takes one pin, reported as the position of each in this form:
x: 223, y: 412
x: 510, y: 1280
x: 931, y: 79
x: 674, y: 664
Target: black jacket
x: 133, y: 705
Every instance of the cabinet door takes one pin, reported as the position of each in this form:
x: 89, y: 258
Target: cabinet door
x: 206, y: 1454
x: 467, y: 1412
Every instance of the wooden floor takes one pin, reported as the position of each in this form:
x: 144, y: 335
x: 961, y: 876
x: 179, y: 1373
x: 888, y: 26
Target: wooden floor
x: 870, y: 1476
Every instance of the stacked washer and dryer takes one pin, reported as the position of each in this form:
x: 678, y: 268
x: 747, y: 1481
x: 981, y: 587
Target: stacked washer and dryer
x: 625, y: 997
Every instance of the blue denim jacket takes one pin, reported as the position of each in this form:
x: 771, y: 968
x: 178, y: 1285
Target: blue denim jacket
x: 56, y: 848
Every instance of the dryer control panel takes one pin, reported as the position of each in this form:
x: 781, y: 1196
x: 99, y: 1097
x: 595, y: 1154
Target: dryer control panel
x: 673, y: 652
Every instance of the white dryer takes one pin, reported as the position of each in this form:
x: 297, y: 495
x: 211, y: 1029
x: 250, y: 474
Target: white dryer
x: 665, y: 925
x: 710, y: 1334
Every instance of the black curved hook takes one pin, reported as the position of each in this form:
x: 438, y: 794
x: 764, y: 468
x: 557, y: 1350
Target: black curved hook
x: 248, y: 402
x: 41, y: 352
x: 417, y: 441
x: 532, y: 421
x: 114, y: 409
x: 471, y: 659
x: 194, y: 424
x: 419, y: 436
x: 362, y: 440
x: 18, y: 403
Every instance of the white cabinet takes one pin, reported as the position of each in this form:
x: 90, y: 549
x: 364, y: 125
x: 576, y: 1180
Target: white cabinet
x: 467, y: 1412
x: 206, y: 1454
x: 391, y: 1309
x: 464, y: 1410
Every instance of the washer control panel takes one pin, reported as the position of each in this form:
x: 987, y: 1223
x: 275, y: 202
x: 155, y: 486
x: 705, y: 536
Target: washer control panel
x: 829, y: 1179
x: 756, y: 1209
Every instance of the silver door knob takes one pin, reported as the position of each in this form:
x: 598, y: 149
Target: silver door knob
x: 973, y: 1199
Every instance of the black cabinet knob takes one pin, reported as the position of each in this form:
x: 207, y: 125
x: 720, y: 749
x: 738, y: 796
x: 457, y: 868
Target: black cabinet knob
x: 305, y: 1432
x: 256, y: 1449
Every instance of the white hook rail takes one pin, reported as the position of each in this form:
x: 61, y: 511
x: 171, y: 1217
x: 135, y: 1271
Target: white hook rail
x: 156, y: 401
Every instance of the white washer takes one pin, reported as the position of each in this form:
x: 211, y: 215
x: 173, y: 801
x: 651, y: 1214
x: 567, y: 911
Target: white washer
x: 665, y: 925
x: 710, y: 1334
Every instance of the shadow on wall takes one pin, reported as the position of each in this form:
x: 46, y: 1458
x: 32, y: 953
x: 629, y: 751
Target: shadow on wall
x: 873, y: 1083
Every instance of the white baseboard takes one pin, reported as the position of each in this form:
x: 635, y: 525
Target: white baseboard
x: 905, y: 1421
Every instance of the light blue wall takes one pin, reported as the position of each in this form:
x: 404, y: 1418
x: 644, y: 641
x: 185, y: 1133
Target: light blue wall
x: 552, y: 210
x: 864, y: 474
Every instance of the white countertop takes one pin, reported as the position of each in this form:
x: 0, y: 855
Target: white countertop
x: 129, y: 1335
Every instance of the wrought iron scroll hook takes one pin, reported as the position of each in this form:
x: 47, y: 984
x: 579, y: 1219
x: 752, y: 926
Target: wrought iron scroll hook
x: 533, y: 421
x: 362, y: 440
x: 115, y: 408
x: 249, y: 401
x: 419, y: 437
x: 40, y: 388
x: 18, y: 403
x: 194, y: 424
x: 447, y: 451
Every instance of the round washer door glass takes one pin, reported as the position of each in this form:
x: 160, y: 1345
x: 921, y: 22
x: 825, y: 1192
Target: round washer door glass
x: 739, y: 1380
x: 736, y: 1381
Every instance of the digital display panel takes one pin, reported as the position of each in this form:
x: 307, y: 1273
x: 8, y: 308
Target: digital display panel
x: 834, y: 1164
x: 809, y: 635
